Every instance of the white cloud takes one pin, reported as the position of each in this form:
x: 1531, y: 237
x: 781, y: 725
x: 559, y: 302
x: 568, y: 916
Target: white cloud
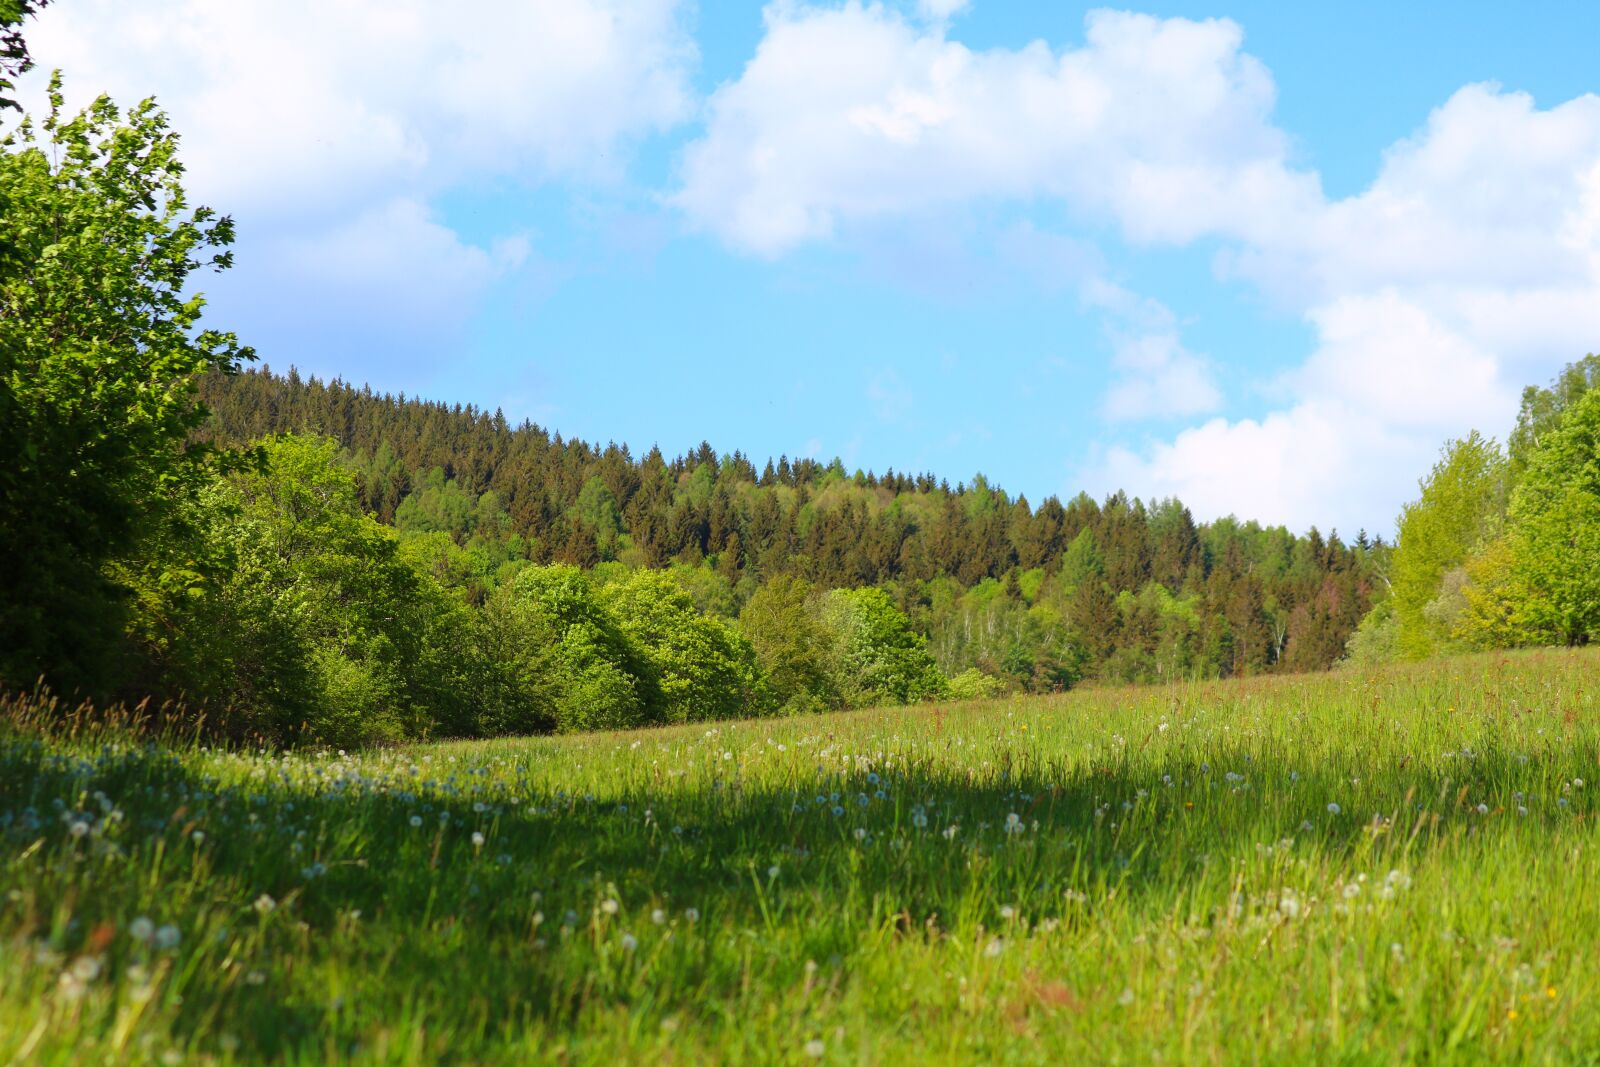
x: 1470, y: 266
x: 854, y: 113
x: 293, y: 100
x: 941, y: 10
x: 329, y: 127
x: 1156, y: 376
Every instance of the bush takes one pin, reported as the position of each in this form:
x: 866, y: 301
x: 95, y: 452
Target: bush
x: 973, y: 684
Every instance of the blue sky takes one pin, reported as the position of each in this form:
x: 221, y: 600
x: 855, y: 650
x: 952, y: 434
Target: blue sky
x: 1261, y: 257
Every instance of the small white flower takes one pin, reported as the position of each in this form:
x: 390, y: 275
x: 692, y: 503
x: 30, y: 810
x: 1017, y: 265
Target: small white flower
x: 1333, y: 809
x: 477, y: 839
x: 1352, y: 890
x: 609, y: 906
x: 167, y: 937
x: 265, y: 904
x: 628, y: 942
x: 692, y: 914
x: 772, y: 872
x: 198, y: 837
x: 142, y: 929
x: 416, y: 821
x: 994, y: 948
x: 815, y: 1049
x: 658, y: 917
x: 1483, y: 809
x: 1007, y: 912
x: 78, y: 828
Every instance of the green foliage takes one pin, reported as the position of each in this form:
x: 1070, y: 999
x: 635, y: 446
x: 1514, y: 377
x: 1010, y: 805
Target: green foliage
x: 1459, y: 510
x: 1376, y: 640
x: 973, y: 684
x: 882, y: 660
x: 438, y: 505
x: 569, y: 644
x: 794, y: 647
x: 1542, y: 409
x: 703, y: 668
x: 14, y: 58
x: 100, y: 350
x: 1554, y: 525
x: 316, y: 629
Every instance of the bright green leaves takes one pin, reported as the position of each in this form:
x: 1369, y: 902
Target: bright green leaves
x: 99, y: 357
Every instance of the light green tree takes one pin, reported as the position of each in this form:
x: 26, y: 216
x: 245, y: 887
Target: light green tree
x: 882, y: 660
x: 1555, y: 530
x: 1461, y: 508
x: 704, y: 669
x: 795, y: 648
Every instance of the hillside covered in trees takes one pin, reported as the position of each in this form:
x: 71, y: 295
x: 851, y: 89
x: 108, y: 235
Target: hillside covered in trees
x: 1037, y: 598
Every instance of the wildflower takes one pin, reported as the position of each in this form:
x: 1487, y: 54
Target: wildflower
x: 609, y: 905
x: 142, y: 929
x: 692, y: 914
x: 1483, y: 809
x: 1126, y: 998
x: 837, y: 811
x: 1333, y: 808
x: 198, y: 837
x: 919, y: 820
x: 78, y: 828
x: 658, y: 917
x: 628, y: 942
x: 994, y: 948
x: 772, y: 872
x: 86, y: 968
x: 416, y: 821
x: 950, y: 832
x: 1007, y: 912
x: 167, y: 937
x: 477, y: 839
x: 1014, y: 823
x: 815, y: 1049
x: 264, y: 904
x: 1352, y: 890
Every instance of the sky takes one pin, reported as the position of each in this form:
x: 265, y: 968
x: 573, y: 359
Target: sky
x: 1263, y: 257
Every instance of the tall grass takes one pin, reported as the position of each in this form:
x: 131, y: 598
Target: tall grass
x: 1393, y: 866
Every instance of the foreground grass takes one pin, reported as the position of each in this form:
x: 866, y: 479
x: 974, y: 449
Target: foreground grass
x: 1385, y: 867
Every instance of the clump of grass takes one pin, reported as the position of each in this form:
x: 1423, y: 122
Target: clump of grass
x: 1389, y: 866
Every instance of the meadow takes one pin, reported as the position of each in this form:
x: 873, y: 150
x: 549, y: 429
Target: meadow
x: 1395, y: 865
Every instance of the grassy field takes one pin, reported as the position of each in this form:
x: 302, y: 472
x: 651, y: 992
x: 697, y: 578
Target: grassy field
x: 1384, y: 867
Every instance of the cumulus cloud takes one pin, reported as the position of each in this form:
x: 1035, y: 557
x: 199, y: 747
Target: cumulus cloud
x: 328, y: 128
x: 1156, y: 376
x: 1468, y: 268
x: 853, y: 113
x: 280, y: 102
x: 1470, y: 265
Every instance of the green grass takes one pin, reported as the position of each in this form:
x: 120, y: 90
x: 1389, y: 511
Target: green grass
x: 1175, y: 885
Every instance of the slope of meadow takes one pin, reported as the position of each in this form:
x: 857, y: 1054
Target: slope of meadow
x: 1394, y: 866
